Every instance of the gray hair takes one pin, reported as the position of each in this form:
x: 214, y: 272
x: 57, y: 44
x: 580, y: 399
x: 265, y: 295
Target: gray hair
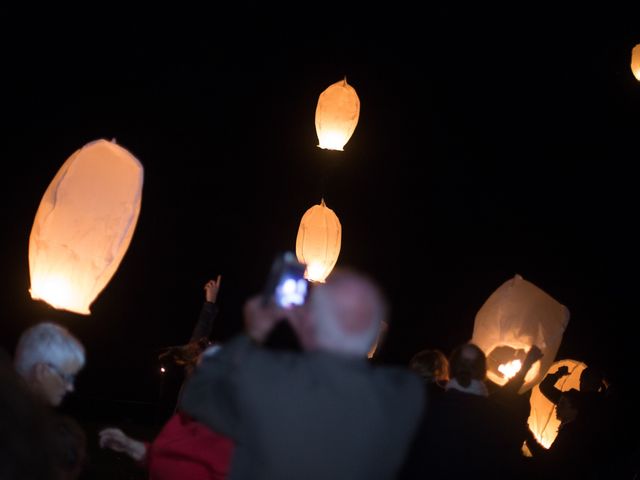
x: 332, y: 315
x: 47, y: 342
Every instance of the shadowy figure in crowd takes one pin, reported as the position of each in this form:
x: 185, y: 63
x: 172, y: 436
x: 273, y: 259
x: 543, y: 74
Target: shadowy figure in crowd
x: 48, y: 358
x: 573, y: 453
x: 433, y: 366
x: 187, y: 355
x: 584, y: 444
x: 183, y: 448
x: 464, y: 432
x: 516, y: 407
x: 323, y: 413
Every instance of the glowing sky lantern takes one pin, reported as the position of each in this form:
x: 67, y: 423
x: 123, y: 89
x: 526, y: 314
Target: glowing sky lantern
x: 84, y: 225
x: 543, y: 422
x: 635, y: 61
x: 318, y: 241
x: 515, y: 317
x: 337, y: 115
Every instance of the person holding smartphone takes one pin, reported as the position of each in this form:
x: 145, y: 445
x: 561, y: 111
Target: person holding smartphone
x: 325, y: 412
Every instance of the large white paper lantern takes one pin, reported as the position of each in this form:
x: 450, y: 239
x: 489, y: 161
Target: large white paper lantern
x: 635, y: 61
x: 318, y: 241
x: 337, y: 115
x: 515, y: 317
x: 84, y: 225
x: 543, y: 422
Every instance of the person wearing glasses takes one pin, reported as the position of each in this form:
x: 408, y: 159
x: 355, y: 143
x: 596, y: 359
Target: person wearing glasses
x: 48, y: 357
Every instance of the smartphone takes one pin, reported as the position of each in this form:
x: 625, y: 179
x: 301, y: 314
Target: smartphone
x: 286, y: 284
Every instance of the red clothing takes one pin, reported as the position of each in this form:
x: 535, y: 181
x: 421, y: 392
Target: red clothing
x: 187, y: 450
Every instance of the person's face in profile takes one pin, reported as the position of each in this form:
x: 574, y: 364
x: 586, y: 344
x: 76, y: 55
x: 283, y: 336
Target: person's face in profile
x: 55, y: 381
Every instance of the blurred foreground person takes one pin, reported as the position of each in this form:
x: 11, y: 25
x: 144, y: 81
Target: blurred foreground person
x: 323, y: 413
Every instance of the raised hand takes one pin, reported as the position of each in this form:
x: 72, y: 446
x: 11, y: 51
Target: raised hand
x: 211, y: 289
x: 533, y: 355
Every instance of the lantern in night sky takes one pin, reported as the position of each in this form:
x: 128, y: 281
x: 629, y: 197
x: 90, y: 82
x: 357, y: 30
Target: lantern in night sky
x: 635, y: 61
x: 542, y: 420
x: 515, y: 317
x: 84, y: 225
x: 318, y: 242
x: 337, y: 115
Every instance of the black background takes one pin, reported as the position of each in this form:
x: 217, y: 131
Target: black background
x: 491, y: 142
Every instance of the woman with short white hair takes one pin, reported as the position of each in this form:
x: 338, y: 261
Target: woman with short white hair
x: 48, y: 357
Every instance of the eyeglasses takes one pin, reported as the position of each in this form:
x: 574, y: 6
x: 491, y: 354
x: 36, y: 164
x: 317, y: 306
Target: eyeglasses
x: 67, y: 378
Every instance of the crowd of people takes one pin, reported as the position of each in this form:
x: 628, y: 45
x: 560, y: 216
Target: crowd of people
x: 296, y: 396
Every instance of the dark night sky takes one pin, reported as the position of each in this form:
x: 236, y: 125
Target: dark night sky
x: 490, y: 142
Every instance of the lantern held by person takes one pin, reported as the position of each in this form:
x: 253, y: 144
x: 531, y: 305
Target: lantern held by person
x: 515, y: 317
x: 543, y: 422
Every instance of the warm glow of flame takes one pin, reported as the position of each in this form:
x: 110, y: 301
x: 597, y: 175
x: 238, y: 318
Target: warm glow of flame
x: 333, y: 140
x: 316, y: 272
x: 510, y: 369
x: 57, y: 291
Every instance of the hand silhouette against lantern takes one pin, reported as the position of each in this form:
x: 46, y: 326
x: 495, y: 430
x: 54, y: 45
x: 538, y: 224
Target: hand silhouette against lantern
x: 533, y: 355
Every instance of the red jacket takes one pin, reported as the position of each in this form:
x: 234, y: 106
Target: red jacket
x: 187, y: 450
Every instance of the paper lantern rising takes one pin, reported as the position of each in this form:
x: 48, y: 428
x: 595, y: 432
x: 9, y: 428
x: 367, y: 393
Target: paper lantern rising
x: 515, y: 317
x: 84, y: 225
x: 337, y: 115
x: 635, y: 61
x: 542, y: 420
x: 318, y: 242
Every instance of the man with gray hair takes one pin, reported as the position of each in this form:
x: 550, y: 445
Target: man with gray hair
x: 324, y: 413
x: 48, y: 357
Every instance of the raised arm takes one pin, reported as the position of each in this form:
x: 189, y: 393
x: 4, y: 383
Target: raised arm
x: 209, y: 311
x: 548, y: 388
x: 514, y: 385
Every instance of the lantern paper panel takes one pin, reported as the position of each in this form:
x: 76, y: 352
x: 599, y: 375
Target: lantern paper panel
x: 635, y: 62
x: 84, y: 225
x: 515, y: 317
x: 542, y: 419
x: 337, y: 115
x: 318, y: 241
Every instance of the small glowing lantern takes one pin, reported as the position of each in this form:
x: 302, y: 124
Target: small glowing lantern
x: 84, y: 225
x: 635, y: 61
x: 337, y: 115
x: 515, y: 317
x: 543, y: 422
x: 318, y: 242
